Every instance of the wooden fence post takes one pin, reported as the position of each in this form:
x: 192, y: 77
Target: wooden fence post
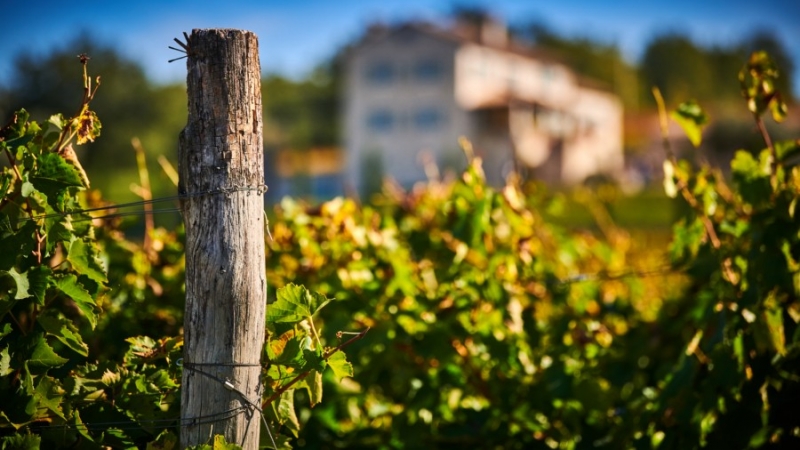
x: 221, y: 169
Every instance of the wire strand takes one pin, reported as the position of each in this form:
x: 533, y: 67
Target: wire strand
x: 260, y: 189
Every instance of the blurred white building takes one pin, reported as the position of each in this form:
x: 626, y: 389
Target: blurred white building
x: 412, y: 90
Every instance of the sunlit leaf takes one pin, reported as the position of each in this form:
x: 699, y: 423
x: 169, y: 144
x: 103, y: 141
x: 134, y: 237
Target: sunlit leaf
x: 72, y: 288
x: 21, y: 441
x: 286, y: 412
x: 314, y: 382
x: 340, y: 366
x: 670, y: 188
x: 64, y: 330
x: 295, y: 303
x: 787, y: 149
x: 88, y: 127
x: 43, y: 356
x: 752, y: 176
x: 48, y: 394
x: 20, y: 281
x: 5, y: 362
x: 39, y: 277
x: 691, y: 117
x: 166, y: 440
x: 84, y: 259
x: 773, y: 319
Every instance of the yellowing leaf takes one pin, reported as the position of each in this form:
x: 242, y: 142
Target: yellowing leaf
x: 670, y: 188
x: 691, y: 117
x: 88, y: 127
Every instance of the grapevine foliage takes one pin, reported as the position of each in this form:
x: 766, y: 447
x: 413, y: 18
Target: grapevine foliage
x: 77, y: 297
x: 489, y: 327
x: 495, y: 329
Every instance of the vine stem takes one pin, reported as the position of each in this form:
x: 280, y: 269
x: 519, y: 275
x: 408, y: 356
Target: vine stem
x: 22, y: 330
x: 13, y: 162
x: 278, y: 392
x: 762, y: 128
x: 314, y: 331
x: 727, y: 265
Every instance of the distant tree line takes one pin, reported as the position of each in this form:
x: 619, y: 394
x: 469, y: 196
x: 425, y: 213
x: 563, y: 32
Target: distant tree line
x: 304, y: 113
x: 681, y: 68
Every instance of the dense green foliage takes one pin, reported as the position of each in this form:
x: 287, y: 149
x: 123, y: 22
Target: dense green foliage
x: 75, y: 370
x: 488, y: 325
x: 492, y: 328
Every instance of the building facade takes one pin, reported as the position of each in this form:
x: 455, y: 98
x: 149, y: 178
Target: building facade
x: 412, y: 91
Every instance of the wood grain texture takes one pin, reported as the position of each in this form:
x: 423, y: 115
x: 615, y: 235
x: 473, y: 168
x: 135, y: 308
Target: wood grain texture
x: 221, y: 149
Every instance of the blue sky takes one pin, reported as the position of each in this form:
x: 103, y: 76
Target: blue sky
x: 296, y: 35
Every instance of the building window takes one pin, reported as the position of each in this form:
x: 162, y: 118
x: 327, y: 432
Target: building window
x: 428, y: 119
x: 380, y: 121
x: 428, y: 70
x: 381, y: 73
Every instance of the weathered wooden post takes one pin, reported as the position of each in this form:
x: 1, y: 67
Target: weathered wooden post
x: 222, y: 176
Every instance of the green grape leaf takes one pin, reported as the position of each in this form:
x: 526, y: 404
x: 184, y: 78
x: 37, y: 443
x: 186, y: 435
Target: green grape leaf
x: 39, y: 278
x: 79, y: 426
x: 17, y: 244
x: 162, y: 381
x: 294, y: 304
x: 48, y: 394
x: 72, y: 288
x: 787, y: 149
x: 166, y: 440
x: 286, y: 414
x: 57, y: 120
x: 5, y: 331
x: 83, y: 257
x: 752, y: 176
x: 773, y: 319
x: 17, y: 127
x: 313, y: 383
x: 43, y: 356
x: 21, y: 441
x: 691, y: 117
x: 219, y: 444
x: 21, y: 283
x: 56, y: 171
x: 27, y: 189
x: 64, y: 330
x: 116, y: 438
x: 5, y: 363
x: 313, y: 359
x: 340, y: 366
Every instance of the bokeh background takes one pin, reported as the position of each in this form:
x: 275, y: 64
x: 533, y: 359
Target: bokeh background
x: 691, y: 50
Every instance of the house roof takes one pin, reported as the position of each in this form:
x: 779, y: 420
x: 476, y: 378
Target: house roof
x: 458, y: 34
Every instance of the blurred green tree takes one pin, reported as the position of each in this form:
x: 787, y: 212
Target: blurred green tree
x: 301, y: 114
x: 683, y: 69
x: 679, y: 68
